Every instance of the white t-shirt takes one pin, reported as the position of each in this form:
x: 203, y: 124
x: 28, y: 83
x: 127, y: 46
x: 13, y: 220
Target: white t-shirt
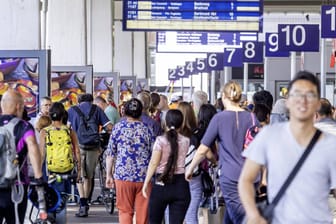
x: 306, y: 199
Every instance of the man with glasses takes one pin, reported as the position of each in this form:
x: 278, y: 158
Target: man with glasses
x: 278, y: 147
x: 45, y: 104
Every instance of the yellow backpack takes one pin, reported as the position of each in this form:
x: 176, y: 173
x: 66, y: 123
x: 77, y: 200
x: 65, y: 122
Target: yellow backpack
x: 60, y: 157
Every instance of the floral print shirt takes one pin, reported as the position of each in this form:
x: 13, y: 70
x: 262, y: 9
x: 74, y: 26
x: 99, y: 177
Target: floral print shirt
x: 131, y: 146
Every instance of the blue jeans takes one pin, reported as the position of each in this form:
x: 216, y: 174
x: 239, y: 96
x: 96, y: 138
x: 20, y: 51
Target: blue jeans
x: 235, y: 212
x: 196, y: 191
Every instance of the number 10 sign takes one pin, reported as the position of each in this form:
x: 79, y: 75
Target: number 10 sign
x: 298, y: 37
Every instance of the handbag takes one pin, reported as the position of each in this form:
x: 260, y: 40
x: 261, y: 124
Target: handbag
x: 265, y: 209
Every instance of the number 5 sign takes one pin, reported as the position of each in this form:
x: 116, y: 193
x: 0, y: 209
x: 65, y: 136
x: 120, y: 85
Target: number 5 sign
x: 298, y: 37
x: 328, y: 17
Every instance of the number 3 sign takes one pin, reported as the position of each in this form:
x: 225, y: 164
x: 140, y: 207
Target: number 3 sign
x: 298, y: 37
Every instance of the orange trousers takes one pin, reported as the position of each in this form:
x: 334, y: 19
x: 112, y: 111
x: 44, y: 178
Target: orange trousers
x: 130, y: 200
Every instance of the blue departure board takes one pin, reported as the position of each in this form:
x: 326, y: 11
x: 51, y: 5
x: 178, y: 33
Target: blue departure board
x: 200, y: 42
x: 189, y: 15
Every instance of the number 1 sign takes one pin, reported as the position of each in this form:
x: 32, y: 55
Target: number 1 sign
x: 328, y: 17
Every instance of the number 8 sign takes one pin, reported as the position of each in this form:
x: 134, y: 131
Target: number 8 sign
x: 298, y: 37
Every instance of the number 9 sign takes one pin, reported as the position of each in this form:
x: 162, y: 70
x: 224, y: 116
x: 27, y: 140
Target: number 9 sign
x: 272, y: 46
x: 298, y: 37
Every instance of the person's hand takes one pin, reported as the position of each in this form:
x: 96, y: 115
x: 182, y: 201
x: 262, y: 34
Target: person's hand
x: 79, y: 177
x: 257, y: 219
x: 188, y: 174
x: 39, y: 182
x: 144, y: 190
x: 109, y: 182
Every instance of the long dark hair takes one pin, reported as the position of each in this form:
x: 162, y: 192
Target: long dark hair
x: 174, y: 119
x: 205, y: 113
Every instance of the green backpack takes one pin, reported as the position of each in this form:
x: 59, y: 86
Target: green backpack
x: 60, y: 157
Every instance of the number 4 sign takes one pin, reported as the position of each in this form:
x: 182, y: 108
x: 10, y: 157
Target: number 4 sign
x: 328, y: 17
x: 298, y: 37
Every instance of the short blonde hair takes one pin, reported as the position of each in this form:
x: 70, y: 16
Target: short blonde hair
x: 233, y: 91
x: 42, y: 122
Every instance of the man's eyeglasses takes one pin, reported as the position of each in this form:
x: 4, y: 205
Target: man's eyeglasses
x: 299, y: 96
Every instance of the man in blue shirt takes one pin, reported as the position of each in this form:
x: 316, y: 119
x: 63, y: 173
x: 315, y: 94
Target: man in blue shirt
x: 89, y: 153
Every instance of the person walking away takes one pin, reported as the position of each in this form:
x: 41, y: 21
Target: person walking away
x: 128, y: 154
x: 278, y: 147
x: 228, y: 128
x: 198, y: 98
x: 163, y: 107
x: 205, y: 114
x: 154, y: 111
x: 60, y: 146
x: 110, y: 111
x: 12, y: 106
x: 167, y: 168
x: 145, y: 99
x: 85, y: 120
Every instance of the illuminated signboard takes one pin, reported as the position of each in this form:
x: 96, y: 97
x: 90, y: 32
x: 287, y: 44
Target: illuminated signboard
x: 188, y: 15
x: 200, y: 42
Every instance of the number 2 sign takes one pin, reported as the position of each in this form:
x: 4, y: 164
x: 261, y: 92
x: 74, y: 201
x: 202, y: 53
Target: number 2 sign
x: 298, y: 37
x: 328, y: 17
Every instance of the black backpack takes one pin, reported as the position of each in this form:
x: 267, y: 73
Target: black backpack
x: 88, y: 130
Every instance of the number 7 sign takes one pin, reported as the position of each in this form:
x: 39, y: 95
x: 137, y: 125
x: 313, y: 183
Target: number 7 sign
x: 233, y: 57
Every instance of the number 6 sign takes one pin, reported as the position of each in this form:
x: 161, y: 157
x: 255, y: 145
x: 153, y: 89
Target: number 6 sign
x: 298, y: 37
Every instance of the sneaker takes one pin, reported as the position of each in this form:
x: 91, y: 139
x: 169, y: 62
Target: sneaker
x: 83, y: 211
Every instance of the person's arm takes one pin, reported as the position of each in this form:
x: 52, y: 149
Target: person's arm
x: 42, y: 145
x: 34, y: 156
x: 109, y: 171
x: 246, y: 190
x: 153, y: 164
x: 110, y: 163
x: 108, y: 127
x: 76, y: 150
x: 200, y: 154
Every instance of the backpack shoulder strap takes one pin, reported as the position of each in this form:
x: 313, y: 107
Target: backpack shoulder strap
x: 11, y: 124
x: 78, y: 110
x: 92, y: 110
x: 66, y: 128
x: 253, y: 119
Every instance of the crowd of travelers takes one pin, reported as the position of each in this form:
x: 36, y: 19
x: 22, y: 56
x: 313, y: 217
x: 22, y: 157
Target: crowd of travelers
x: 158, y: 151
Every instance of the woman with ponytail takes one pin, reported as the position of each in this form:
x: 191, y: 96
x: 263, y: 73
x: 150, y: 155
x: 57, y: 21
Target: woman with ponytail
x: 169, y: 187
x: 228, y: 128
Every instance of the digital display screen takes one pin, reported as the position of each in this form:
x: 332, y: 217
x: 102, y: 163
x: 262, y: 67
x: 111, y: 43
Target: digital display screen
x: 201, y: 42
x: 215, y: 15
x: 22, y: 74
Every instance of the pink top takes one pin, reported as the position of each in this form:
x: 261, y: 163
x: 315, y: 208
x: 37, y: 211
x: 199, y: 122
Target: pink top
x: 162, y: 144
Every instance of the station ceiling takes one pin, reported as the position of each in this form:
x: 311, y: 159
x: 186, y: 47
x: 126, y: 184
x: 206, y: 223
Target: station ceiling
x: 295, y: 5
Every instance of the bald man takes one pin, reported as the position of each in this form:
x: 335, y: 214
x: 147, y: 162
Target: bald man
x: 12, y: 106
